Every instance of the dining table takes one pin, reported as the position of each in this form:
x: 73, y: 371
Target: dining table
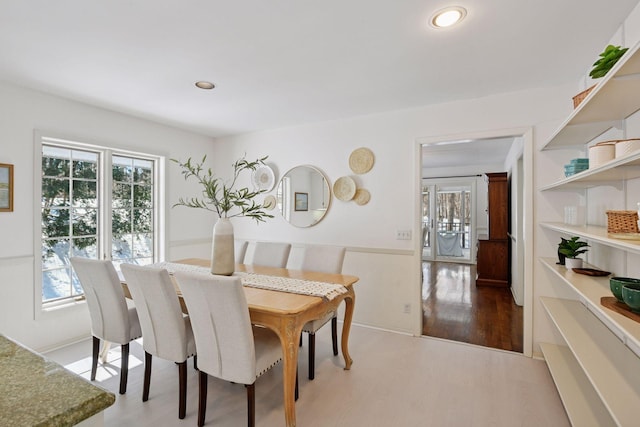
x: 286, y: 312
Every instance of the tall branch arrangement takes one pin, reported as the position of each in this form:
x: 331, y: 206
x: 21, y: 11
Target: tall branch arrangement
x: 219, y: 196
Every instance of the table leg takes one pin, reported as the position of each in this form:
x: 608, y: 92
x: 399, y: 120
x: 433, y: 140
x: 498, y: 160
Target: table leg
x: 289, y: 336
x: 349, y: 301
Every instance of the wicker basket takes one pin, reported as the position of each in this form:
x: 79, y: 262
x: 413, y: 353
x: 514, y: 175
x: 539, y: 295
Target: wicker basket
x: 622, y: 221
x: 581, y: 96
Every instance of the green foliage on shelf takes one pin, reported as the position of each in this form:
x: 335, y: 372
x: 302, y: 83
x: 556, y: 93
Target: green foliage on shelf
x: 607, y: 60
x: 572, y: 247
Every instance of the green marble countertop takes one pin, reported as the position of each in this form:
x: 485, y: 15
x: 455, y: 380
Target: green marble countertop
x: 35, y: 391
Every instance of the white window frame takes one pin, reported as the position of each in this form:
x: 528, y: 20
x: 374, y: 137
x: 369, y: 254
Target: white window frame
x: 104, y: 195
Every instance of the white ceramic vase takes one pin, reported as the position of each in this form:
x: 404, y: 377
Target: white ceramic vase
x: 571, y: 263
x: 222, y: 251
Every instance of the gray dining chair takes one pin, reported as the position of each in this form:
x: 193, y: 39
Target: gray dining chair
x: 229, y: 347
x: 240, y: 250
x: 112, y: 320
x: 271, y: 254
x: 166, y: 330
x: 326, y: 259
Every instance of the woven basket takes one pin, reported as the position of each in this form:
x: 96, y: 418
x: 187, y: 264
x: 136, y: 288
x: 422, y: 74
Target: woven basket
x: 581, y: 96
x: 622, y: 221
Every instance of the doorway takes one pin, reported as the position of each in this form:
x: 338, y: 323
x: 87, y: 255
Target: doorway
x: 448, y: 220
x: 455, y: 159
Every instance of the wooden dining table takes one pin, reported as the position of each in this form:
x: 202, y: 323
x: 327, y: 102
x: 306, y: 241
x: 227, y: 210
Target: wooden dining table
x: 286, y: 313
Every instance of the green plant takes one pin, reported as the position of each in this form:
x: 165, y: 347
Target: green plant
x: 572, y: 247
x: 219, y: 196
x: 607, y: 60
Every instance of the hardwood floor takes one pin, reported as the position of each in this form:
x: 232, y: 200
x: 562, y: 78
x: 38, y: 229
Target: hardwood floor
x: 395, y: 380
x: 455, y: 309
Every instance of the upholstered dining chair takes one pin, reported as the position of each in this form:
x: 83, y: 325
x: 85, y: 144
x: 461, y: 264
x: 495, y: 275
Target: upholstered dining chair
x: 166, y: 330
x: 112, y: 320
x: 271, y: 254
x: 326, y: 259
x: 240, y: 247
x: 229, y: 347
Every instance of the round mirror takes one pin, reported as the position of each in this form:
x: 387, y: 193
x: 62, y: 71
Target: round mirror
x: 304, y: 196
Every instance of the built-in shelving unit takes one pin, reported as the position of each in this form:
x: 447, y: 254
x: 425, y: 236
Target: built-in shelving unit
x: 597, y: 372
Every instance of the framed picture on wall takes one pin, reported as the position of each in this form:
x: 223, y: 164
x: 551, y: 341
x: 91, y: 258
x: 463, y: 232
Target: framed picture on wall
x: 302, y: 201
x: 6, y: 187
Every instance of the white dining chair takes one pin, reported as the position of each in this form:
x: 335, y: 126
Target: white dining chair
x: 112, y: 320
x: 229, y: 347
x: 166, y: 330
x: 326, y: 259
x: 240, y: 250
x: 271, y: 254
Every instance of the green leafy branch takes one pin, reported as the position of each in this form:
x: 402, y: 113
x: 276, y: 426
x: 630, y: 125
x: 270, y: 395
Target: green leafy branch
x: 219, y: 196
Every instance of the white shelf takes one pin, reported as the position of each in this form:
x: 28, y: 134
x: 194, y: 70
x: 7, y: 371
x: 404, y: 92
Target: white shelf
x: 590, y: 290
x: 595, y: 234
x: 614, y: 99
x: 580, y: 400
x: 611, y: 173
x: 611, y: 368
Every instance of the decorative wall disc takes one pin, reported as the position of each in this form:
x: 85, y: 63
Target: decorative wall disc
x: 344, y: 188
x: 361, y: 160
x: 362, y: 196
x: 269, y: 202
x: 263, y: 178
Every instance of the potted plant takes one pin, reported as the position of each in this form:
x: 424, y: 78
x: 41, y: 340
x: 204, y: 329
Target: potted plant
x: 226, y: 201
x: 571, y: 248
x: 607, y: 59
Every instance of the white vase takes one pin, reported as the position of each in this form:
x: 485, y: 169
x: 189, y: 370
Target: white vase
x: 222, y: 251
x: 571, y: 263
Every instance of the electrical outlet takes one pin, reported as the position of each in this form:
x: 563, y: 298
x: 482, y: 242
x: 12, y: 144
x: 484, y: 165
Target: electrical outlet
x: 407, y: 309
x: 403, y: 235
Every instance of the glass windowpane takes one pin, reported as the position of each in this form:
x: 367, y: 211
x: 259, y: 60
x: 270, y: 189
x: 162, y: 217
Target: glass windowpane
x: 121, y: 247
x: 85, y: 222
x: 55, y: 222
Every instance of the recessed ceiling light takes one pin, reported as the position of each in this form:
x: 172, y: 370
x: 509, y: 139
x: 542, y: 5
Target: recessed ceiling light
x: 205, y: 85
x: 448, y: 16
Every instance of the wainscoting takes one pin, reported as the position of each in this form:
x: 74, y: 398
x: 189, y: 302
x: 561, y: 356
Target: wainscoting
x: 455, y: 309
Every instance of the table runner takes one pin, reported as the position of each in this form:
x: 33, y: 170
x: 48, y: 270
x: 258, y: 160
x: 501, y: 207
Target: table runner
x: 327, y: 291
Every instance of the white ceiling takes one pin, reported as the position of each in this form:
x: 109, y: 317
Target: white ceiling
x: 281, y: 63
x: 490, y: 151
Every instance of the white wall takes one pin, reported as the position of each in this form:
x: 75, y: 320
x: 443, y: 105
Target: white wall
x: 388, y: 268
x: 23, y: 111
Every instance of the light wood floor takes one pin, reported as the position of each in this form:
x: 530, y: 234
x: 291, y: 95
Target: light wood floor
x: 455, y: 309
x: 395, y: 380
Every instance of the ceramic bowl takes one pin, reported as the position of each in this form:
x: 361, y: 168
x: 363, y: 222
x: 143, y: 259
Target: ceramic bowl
x: 631, y: 296
x: 615, y: 284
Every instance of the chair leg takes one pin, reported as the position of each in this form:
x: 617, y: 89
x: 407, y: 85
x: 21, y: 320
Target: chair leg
x: 312, y: 356
x: 251, y: 404
x: 195, y: 362
x: 94, y: 357
x: 147, y: 376
x: 124, y: 368
x: 334, y: 335
x: 182, y: 399
x: 296, y: 394
x: 203, y: 378
x: 300, y: 339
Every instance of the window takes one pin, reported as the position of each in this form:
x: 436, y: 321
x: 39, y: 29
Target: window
x: 96, y: 203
